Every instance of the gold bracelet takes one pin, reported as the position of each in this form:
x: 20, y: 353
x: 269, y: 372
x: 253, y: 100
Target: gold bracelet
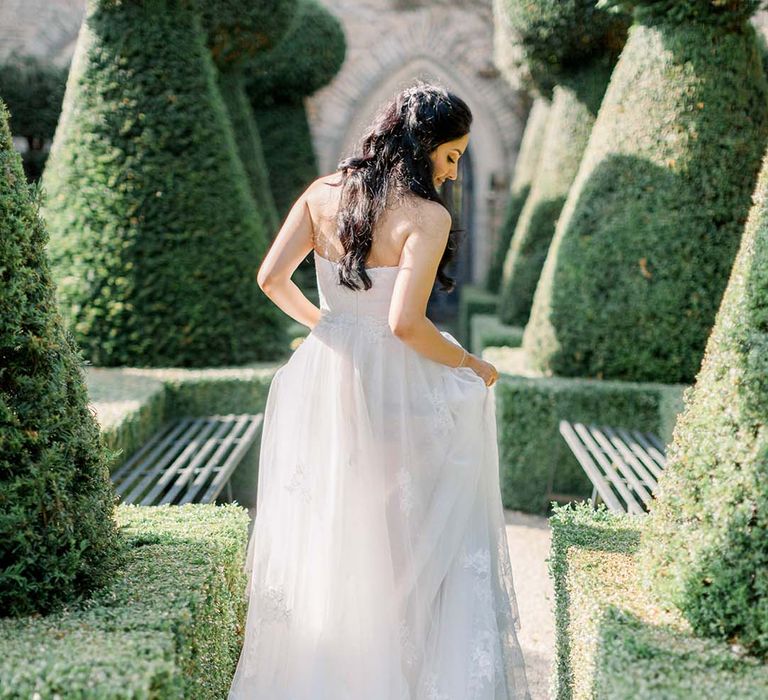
x: 463, y: 357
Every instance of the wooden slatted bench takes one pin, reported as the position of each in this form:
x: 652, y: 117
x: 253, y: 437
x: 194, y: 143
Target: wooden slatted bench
x: 623, y: 465
x: 189, y: 460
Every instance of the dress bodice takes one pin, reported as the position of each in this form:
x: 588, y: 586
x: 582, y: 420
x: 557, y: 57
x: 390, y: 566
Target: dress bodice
x: 339, y: 299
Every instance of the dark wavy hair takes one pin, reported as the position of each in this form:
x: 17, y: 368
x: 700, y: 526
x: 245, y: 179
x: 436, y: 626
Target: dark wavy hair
x: 392, y: 156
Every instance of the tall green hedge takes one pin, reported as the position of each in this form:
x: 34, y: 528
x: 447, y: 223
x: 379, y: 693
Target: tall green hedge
x: 58, y: 536
x: 525, y: 170
x: 572, y: 45
x: 707, y: 549
x: 559, y: 36
x: 277, y: 81
x: 571, y: 117
x: 32, y: 90
x: 249, y: 146
x: 155, y: 239
x: 236, y: 32
x: 647, y: 236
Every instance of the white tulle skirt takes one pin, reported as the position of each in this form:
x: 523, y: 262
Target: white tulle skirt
x: 378, y: 564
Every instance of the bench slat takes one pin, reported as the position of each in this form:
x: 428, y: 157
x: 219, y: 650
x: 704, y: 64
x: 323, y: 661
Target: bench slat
x: 657, y: 457
x: 594, y: 474
x: 204, y: 427
x: 185, y: 474
x: 207, y: 448
x: 646, y: 478
x: 633, y: 506
x: 642, y: 481
x: 618, y: 461
x: 161, y: 446
x: 624, y: 466
x: 234, y: 458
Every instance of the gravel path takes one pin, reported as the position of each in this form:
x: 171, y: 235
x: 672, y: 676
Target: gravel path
x: 528, y: 537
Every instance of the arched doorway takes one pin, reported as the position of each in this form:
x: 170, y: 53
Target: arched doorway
x: 458, y: 194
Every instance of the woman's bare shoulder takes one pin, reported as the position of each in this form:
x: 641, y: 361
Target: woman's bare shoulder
x: 323, y: 188
x: 430, y: 215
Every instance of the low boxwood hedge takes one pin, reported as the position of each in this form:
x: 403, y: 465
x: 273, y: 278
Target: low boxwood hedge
x: 613, y: 640
x: 473, y: 300
x: 169, y: 626
x: 487, y: 330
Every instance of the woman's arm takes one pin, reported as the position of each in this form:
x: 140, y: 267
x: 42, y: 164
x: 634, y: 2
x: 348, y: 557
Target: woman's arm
x: 291, y: 245
x: 418, y: 267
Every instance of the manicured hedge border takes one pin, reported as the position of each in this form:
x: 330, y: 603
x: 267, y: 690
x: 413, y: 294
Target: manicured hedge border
x: 169, y: 626
x: 613, y: 641
x: 529, y: 410
x: 487, y: 330
x: 473, y: 300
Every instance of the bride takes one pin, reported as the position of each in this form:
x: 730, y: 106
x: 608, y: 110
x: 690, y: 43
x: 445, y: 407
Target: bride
x: 378, y: 566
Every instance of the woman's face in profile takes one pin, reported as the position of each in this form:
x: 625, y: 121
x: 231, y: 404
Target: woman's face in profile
x: 445, y: 159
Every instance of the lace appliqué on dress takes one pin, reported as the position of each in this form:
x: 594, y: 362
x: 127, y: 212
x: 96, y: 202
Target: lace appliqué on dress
x: 298, y: 483
x: 443, y: 420
x: 432, y: 691
x: 272, y: 606
x: 405, y: 486
x: 486, y: 657
x: 486, y: 662
x: 406, y: 644
x: 480, y: 563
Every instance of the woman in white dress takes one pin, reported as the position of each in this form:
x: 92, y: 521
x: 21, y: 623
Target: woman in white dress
x: 378, y: 564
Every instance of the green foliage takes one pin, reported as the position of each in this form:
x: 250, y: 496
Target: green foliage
x: 531, y: 450
x: 706, y: 549
x: 645, y: 242
x: 613, y: 641
x: 525, y: 170
x: 32, y: 91
x: 170, y: 626
x: 473, y: 300
x: 237, y: 31
x: 310, y: 54
x: 308, y: 57
x: 487, y: 331
x: 727, y: 13
x: 559, y: 36
x: 575, y: 104
x: 58, y: 538
x: 289, y: 152
x: 250, y: 149
x: 155, y: 239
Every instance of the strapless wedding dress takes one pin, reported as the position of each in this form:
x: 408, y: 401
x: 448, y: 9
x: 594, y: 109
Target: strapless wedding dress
x: 378, y: 566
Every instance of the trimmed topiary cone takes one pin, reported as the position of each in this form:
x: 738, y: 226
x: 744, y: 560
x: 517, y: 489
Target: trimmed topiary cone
x: 525, y: 169
x: 705, y: 548
x: 236, y: 32
x: 646, y: 239
x: 572, y: 45
x: 58, y: 538
x: 571, y: 116
x: 249, y: 146
x: 155, y: 239
x: 277, y: 81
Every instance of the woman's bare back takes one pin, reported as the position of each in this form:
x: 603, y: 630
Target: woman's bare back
x: 392, y: 228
